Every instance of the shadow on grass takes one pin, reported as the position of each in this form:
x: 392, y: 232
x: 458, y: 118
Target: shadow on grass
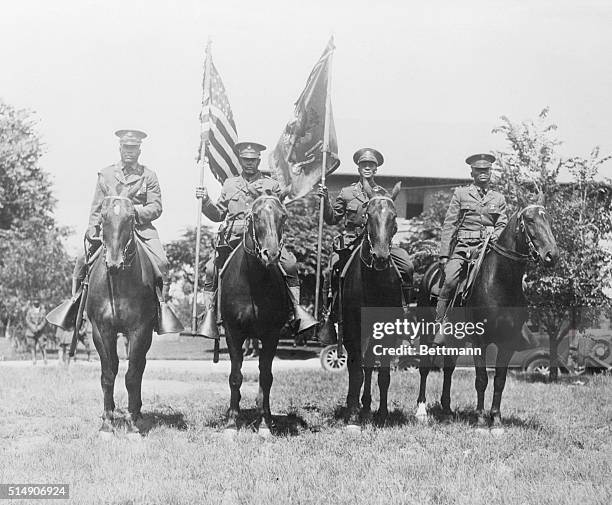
x: 282, y: 425
x: 565, y: 379
x: 154, y: 419
x: 469, y: 416
x: 395, y: 418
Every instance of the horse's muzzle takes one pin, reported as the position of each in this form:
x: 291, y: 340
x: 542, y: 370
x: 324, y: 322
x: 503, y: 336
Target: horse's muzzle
x: 114, y: 268
x: 379, y: 261
x: 269, y: 256
x: 550, y: 257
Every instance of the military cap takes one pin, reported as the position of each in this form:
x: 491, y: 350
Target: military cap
x: 249, y: 149
x: 130, y: 137
x: 480, y: 160
x: 368, y: 154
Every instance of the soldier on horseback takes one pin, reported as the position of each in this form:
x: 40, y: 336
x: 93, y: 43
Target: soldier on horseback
x: 475, y: 213
x: 232, y: 207
x: 144, y: 192
x: 350, y: 205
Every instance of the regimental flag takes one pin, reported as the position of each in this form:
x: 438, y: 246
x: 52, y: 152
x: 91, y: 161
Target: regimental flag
x: 297, y: 159
x: 218, y: 131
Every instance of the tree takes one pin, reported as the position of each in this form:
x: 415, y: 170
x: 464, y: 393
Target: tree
x: 572, y: 292
x: 181, y: 259
x: 301, y: 234
x: 33, y: 261
x: 25, y: 189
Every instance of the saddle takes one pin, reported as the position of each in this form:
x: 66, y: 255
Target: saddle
x: 467, y: 279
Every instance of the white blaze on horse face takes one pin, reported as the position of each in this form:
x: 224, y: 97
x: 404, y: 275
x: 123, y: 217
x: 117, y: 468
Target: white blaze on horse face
x: 117, y: 209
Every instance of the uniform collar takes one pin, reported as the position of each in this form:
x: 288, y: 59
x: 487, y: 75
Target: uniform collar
x: 476, y: 192
x: 128, y: 178
x: 258, y: 176
x: 360, y: 193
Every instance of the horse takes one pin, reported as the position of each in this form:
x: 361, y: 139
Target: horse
x: 255, y: 303
x: 497, y: 301
x: 369, y: 281
x: 121, y: 299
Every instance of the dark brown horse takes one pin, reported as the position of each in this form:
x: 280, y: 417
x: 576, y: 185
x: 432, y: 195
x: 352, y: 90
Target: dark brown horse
x: 121, y: 300
x: 370, y: 280
x: 254, y: 302
x: 496, y: 300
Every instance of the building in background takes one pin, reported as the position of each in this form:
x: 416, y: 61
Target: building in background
x: 415, y: 195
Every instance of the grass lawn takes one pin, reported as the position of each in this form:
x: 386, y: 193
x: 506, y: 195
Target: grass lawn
x: 556, y: 449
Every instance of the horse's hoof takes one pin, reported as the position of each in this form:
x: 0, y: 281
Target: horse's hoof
x: 134, y: 436
x: 447, y: 417
x: 481, y: 430
x: 264, y: 432
x: 380, y: 419
x: 352, y: 428
x: 421, y: 411
x: 230, y: 433
x: 497, y: 431
x: 106, y: 435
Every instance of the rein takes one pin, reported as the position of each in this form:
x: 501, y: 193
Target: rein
x: 370, y: 263
x: 129, y: 250
x: 512, y: 255
x: 249, y: 230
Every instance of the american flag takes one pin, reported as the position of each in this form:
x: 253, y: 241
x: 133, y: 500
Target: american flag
x: 218, y: 134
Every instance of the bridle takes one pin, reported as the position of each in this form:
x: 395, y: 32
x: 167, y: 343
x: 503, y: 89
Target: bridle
x: 129, y: 250
x: 250, y: 228
x: 370, y: 262
x: 521, y: 227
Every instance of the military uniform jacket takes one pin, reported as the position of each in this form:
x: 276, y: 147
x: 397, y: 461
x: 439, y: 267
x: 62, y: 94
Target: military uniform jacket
x: 472, y: 217
x: 147, y: 199
x: 350, y: 205
x: 235, y: 202
x: 35, y: 321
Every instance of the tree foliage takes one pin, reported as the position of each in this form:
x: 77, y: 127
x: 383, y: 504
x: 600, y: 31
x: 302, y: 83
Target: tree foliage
x: 33, y: 261
x: 573, y: 291
x: 25, y: 189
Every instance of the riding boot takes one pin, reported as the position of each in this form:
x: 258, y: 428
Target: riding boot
x: 440, y: 338
x: 327, y: 334
x: 167, y: 322
x: 303, y: 319
x: 407, y: 296
x: 208, y: 325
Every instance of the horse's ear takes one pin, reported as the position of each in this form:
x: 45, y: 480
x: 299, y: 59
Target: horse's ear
x: 395, y: 191
x: 105, y: 188
x: 541, y: 198
x: 367, y: 188
x: 284, y: 193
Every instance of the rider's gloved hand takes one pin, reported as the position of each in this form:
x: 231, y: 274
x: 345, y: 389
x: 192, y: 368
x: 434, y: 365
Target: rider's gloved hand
x: 202, y: 193
x: 323, y: 191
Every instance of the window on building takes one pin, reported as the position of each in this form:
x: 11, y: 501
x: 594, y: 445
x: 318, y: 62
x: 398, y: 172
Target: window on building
x: 413, y: 210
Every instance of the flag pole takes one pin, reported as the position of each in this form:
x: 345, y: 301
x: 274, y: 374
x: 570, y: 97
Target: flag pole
x: 323, y: 173
x: 203, y: 165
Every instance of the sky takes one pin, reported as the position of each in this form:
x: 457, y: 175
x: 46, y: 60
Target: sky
x: 423, y: 82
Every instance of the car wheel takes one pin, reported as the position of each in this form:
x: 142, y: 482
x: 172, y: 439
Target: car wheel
x: 540, y: 366
x: 330, y: 361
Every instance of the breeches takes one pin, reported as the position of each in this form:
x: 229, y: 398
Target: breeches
x: 287, y: 262
x: 455, y: 266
